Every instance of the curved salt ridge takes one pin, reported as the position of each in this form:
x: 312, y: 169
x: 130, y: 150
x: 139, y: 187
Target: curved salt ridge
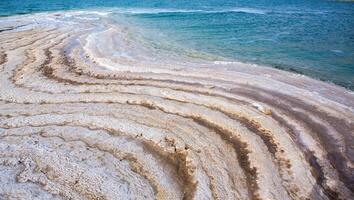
x: 96, y: 112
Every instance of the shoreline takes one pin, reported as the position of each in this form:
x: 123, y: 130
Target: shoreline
x: 88, y: 111
x: 102, y: 12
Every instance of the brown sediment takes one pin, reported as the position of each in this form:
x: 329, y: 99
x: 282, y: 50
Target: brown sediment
x: 32, y: 41
x: 320, y: 178
x: 12, y: 28
x: 271, y: 144
x: 49, y: 71
x: 3, y: 58
x: 241, y: 152
x: 266, y: 136
x: 139, y: 168
x: 316, y: 169
x: 239, y: 147
x: 7, y: 29
x: 212, y: 185
x: 183, y: 167
x: 337, y: 159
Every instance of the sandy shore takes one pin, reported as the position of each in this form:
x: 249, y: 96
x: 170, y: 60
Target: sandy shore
x: 88, y: 112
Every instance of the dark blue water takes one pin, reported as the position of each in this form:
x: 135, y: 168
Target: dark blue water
x: 315, y: 37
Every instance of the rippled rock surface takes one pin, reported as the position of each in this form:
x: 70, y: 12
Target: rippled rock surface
x: 89, y: 110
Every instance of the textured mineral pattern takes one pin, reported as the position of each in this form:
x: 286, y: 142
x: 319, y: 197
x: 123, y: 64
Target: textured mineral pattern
x: 88, y: 110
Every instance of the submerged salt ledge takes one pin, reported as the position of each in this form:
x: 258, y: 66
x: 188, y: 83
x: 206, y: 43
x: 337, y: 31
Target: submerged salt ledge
x: 78, y: 121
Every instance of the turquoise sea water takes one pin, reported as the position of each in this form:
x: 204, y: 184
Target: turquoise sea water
x: 312, y: 37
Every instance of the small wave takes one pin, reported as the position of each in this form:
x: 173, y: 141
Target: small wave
x: 247, y: 10
x: 153, y: 11
x: 337, y: 51
x: 161, y: 11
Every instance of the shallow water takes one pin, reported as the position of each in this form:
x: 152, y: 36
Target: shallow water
x: 315, y: 38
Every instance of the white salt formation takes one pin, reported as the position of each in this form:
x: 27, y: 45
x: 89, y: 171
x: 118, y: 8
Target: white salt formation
x: 90, y: 110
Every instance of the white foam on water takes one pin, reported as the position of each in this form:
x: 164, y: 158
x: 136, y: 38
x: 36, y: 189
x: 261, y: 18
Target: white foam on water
x: 337, y: 51
x: 168, y: 10
x: 220, y: 62
x: 248, y: 10
x: 152, y: 11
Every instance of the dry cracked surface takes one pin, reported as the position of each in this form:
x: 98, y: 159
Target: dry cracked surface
x: 88, y: 111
